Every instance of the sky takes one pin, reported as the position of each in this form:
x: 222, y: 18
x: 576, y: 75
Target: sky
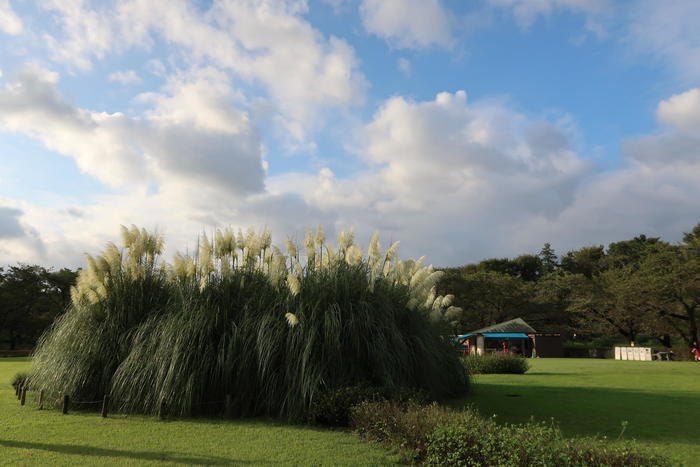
x: 465, y: 129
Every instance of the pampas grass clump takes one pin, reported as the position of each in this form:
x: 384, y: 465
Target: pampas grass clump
x: 243, y: 322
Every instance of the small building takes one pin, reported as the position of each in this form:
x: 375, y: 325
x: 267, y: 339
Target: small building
x: 514, y: 336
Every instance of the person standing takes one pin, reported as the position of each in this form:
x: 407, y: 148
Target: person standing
x: 695, y: 350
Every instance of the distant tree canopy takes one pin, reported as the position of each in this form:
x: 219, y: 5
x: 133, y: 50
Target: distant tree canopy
x: 31, y: 297
x: 638, y: 287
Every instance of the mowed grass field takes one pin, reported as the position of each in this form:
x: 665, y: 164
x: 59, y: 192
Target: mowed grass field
x: 659, y: 400
x: 29, y: 436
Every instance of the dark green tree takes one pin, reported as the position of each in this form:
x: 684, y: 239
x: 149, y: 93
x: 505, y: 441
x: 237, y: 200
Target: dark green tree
x: 31, y: 297
x: 548, y: 258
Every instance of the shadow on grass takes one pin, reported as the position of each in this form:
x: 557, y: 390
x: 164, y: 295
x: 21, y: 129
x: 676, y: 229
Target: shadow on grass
x: 138, y: 455
x: 656, y: 416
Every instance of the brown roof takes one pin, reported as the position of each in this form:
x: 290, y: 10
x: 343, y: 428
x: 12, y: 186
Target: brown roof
x: 514, y: 325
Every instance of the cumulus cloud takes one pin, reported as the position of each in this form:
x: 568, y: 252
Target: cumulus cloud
x: 125, y: 77
x: 9, y: 21
x: 465, y: 181
x: 679, y: 142
x: 189, y: 135
x: 257, y: 41
x: 681, y: 110
x: 454, y: 179
x: 9, y: 223
x: 409, y: 24
x: 451, y: 178
x: 17, y: 240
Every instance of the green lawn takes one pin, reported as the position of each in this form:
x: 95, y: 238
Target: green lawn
x: 30, y: 436
x: 660, y: 400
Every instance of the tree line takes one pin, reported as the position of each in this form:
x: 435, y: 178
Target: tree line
x: 642, y: 287
x: 31, y: 297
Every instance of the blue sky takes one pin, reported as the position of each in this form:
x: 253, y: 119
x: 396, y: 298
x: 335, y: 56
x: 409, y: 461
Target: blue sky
x: 466, y: 129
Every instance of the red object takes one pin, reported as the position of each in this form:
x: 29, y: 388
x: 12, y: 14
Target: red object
x: 696, y: 353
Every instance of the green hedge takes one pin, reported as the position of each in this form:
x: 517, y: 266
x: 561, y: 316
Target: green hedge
x: 333, y: 407
x: 495, y: 363
x: 437, y: 436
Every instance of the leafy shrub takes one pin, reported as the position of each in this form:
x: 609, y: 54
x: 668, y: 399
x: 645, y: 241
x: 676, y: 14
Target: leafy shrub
x: 594, y: 452
x: 438, y: 436
x: 244, y: 323
x: 333, y: 407
x: 495, y: 363
x: 19, y: 380
x: 404, y: 426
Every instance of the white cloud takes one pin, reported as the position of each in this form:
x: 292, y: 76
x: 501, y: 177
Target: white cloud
x: 681, y: 110
x: 404, y: 66
x: 258, y: 41
x: 410, y: 24
x: 9, y: 223
x: 679, y: 142
x: 526, y: 12
x: 88, y: 33
x: 462, y: 182
x: 189, y: 135
x: 668, y: 32
x: 9, y: 21
x: 125, y: 77
x: 456, y: 180
x: 448, y: 178
x: 18, y: 241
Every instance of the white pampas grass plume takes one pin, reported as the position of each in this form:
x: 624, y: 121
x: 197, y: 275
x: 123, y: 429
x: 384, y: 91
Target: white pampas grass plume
x: 447, y: 300
x: 206, y: 258
x: 292, y: 248
x: 310, y: 245
x: 293, y: 284
x: 320, y: 236
x: 265, y: 239
x: 373, y: 249
x: 353, y: 255
x: 342, y: 241
x: 292, y: 319
x: 391, y: 252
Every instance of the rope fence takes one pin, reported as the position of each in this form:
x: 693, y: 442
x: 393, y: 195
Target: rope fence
x: 105, y: 403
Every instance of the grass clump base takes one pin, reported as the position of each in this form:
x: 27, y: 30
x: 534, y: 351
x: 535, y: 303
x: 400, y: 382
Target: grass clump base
x: 495, y: 363
x: 245, y: 330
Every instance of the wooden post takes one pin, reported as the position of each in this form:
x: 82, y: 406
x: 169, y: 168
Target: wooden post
x: 105, y: 403
x: 66, y: 403
x: 41, y: 399
x: 227, y: 406
x: 24, y: 395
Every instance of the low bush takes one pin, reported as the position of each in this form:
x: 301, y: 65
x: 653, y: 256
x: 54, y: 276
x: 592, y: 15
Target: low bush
x: 404, y: 426
x: 19, y: 380
x: 495, y: 363
x: 437, y: 436
x: 333, y: 408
